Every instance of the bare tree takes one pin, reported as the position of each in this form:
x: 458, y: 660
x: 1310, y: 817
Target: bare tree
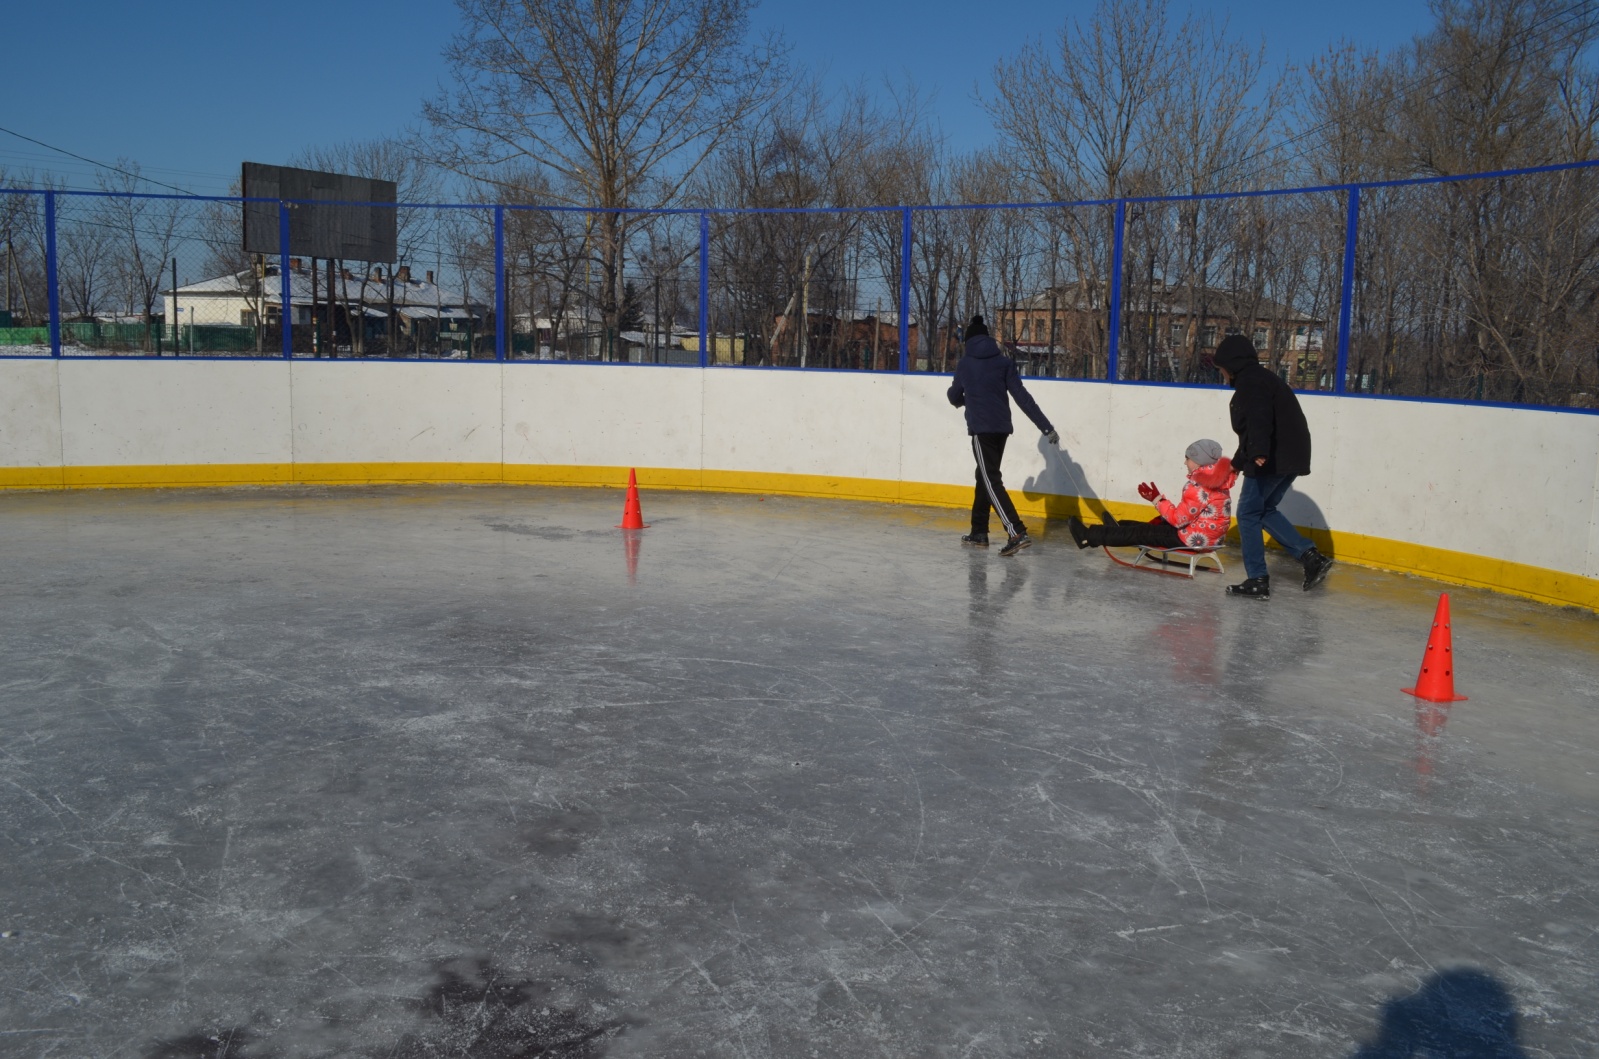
x: 1497, y: 84
x: 807, y: 283
x: 1477, y: 288
x: 619, y: 99
x: 1211, y: 134
x: 146, y: 230
x: 1076, y: 113
x: 83, y: 262
x: 1074, y: 110
x: 22, y: 243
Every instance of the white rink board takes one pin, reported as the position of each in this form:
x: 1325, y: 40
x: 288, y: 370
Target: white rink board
x: 1501, y: 483
x: 800, y: 422
x: 30, y: 420
x: 603, y: 415
x: 366, y: 412
x: 120, y: 413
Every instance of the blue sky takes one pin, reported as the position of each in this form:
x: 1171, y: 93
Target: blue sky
x: 189, y: 90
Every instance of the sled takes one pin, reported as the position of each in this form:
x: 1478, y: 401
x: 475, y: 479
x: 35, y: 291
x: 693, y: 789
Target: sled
x: 1154, y: 560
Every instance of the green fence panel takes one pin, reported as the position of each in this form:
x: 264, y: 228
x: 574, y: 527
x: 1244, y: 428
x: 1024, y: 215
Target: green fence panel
x: 24, y: 336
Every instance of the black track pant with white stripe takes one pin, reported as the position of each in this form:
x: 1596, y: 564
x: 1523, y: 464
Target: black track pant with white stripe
x: 988, y: 450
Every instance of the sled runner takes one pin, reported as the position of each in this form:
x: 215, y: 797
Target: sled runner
x: 1154, y: 560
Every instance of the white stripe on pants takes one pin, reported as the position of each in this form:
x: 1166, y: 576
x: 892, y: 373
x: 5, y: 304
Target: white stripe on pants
x: 993, y: 494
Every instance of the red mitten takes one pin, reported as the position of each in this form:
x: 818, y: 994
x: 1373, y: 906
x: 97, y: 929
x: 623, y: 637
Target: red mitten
x: 1148, y: 491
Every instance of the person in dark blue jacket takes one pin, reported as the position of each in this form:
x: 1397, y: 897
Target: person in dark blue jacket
x: 985, y: 381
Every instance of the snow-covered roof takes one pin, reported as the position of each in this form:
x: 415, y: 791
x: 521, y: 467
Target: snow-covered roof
x: 428, y: 312
x: 887, y: 316
x: 1170, y: 299
x: 352, y: 289
x: 544, y: 317
x: 660, y: 338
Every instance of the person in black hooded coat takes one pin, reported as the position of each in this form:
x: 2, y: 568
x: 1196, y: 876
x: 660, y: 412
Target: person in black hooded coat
x: 1273, y: 450
x: 985, y: 381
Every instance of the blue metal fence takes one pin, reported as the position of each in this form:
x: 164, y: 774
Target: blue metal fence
x: 1477, y: 287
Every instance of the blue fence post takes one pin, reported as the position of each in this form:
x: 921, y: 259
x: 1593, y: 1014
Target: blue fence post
x: 1118, y: 250
x: 705, y: 287
x: 1346, y: 299
x: 499, y: 283
x: 52, y: 286
x: 905, y: 235
x: 285, y: 281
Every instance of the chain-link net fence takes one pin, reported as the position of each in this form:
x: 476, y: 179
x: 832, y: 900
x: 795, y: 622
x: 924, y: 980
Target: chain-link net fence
x: 1196, y: 270
x: 1039, y: 275
x: 805, y: 289
x: 598, y: 286
x: 436, y: 300
x: 1479, y: 288
x: 25, y: 327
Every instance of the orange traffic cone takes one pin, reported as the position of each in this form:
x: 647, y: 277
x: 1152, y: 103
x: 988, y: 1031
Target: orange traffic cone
x: 1436, y: 681
x: 632, y: 514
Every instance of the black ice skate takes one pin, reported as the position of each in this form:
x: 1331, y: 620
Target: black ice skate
x: 1316, y: 567
x: 1254, y: 588
x: 1016, y: 544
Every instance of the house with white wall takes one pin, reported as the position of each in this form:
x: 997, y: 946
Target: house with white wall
x: 251, y: 296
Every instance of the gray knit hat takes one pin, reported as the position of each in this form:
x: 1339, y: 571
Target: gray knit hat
x: 1204, y: 452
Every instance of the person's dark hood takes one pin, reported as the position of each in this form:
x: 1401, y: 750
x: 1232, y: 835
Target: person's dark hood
x: 1235, y: 354
x: 982, y: 347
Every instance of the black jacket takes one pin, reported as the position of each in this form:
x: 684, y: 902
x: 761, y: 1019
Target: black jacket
x: 1266, y: 416
x: 982, y: 379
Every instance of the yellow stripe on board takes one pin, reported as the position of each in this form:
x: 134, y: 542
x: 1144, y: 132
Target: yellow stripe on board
x: 396, y: 473
x: 31, y: 478
x: 166, y: 476
x: 1460, y: 568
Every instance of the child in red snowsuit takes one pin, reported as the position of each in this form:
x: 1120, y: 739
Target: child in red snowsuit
x: 1199, y: 519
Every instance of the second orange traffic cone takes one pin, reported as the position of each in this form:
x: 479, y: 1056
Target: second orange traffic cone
x: 632, y: 514
x: 1436, y: 681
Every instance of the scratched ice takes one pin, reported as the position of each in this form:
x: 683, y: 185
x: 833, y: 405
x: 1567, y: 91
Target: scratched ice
x: 466, y: 772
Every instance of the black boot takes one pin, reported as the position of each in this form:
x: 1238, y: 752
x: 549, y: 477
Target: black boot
x: 1016, y: 544
x: 1079, y: 531
x: 1254, y: 588
x: 979, y: 540
x: 1316, y: 567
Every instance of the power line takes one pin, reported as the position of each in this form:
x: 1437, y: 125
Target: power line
x: 91, y: 161
x: 26, y: 155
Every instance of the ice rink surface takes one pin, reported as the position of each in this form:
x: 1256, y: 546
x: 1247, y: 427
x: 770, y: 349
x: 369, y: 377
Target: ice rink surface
x: 449, y: 771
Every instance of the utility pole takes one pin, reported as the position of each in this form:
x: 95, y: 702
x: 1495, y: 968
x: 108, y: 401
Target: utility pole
x: 316, y: 345
x: 27, y: 306
x: 877, y: 331
x: 177, y: 348
x: 333, y: 327
x: 259, y: 288
x: 805, y: 311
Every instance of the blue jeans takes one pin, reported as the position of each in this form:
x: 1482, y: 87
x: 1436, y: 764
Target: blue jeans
x: 1257, y: 510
